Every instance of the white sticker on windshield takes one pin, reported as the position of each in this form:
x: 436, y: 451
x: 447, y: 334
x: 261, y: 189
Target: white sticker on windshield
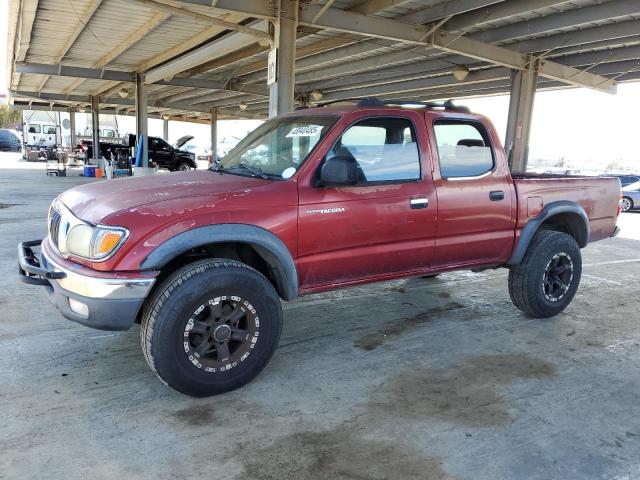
x: 288, y: 172
x: 305, y: 131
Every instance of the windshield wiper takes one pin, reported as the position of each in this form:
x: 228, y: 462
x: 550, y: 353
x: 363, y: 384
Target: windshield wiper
x: 256, y: 172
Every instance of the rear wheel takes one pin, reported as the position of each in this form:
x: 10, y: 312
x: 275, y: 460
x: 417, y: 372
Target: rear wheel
x: 212, y: 326
x: 626, y: 204
x: 546, y: 281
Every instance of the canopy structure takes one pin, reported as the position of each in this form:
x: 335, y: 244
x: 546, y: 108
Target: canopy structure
x: 191, y: 57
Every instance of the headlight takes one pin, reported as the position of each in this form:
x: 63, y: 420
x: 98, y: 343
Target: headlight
x: 95, y: 243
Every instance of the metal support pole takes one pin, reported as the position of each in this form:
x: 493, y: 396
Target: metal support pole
x: 523, y: 91
x: 281, y: 92
x: 165, y: 129
x: 95, y: 127
x: 214, y: 136
x: 72, y: 126
x: 142, y: 124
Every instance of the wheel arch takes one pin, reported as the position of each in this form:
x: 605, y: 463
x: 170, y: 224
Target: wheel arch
x: 562, y: 216
x: 250, y: 244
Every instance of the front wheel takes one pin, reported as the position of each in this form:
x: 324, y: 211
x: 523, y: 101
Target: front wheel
x: 626, y: 204
x: 211, y: 327
x: 546, y: 281
x: 184, y: 167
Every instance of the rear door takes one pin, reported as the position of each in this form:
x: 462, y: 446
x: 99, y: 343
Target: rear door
x: 476, y: 198
x: 383, y: 225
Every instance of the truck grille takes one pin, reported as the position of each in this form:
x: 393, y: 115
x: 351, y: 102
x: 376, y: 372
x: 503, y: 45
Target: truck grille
x: 54, y: 226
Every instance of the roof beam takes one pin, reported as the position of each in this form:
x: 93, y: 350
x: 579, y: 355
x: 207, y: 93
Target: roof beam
x: 370, y: 71
x: 446, y: 9
x: 121, y: 76
x: 371, y: 7
x: 219, y: 48
x: 118, y: 101
x: 548, y: 23
x: 176, y: 8
x: 477, y: 76
x: 497, y: 11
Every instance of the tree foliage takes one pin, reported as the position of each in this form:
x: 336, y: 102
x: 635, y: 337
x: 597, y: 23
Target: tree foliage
x: 9, y: 118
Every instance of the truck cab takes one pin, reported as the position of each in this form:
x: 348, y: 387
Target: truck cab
x: 315, y: 200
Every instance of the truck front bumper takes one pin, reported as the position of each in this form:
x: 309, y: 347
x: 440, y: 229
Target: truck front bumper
x: 107, y: 302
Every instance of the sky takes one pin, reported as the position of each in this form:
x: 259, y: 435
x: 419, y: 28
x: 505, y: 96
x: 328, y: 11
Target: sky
x: 584, y: 127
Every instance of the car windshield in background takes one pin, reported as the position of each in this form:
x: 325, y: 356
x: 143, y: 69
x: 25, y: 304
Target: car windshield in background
x: 278, y: 147
x: 632, y: 187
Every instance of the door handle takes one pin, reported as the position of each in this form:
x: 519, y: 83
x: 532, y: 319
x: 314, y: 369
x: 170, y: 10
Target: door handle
x: 496, y: 195
x: 419, y: 202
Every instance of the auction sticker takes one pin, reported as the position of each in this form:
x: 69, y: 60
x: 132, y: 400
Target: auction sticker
x: 305, y: 131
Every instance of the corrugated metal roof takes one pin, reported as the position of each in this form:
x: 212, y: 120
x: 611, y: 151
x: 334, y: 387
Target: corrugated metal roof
x: 133, y: 36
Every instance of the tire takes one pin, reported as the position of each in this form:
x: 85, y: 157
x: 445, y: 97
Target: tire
x: 184, y: 167
x: 535, y: 286
x: 626, y: 204
x: 187, y: 301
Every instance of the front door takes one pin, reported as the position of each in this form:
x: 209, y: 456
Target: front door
x: 383, y: 225
x: 476, y: 211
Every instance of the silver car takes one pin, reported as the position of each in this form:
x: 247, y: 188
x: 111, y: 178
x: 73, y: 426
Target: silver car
x: 630, y: 197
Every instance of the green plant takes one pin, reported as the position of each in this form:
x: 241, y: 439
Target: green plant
x: 9, y: 118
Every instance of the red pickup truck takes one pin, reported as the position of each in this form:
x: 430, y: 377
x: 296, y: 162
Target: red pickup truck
x: 315, y: 200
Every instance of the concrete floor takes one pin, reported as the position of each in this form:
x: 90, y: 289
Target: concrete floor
x: 429, y: 379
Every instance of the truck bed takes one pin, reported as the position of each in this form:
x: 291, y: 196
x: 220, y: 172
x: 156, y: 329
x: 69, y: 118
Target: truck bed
x: 599, y: 196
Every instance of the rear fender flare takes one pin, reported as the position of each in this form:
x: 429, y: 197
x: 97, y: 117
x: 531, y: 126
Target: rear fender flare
x: 272, y: 250
x: 550, y: 210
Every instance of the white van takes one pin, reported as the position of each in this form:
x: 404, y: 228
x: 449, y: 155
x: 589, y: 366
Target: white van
x: 40, y: 134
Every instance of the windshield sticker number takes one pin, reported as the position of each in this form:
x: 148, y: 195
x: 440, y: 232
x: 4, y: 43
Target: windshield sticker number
x: 305, y: 131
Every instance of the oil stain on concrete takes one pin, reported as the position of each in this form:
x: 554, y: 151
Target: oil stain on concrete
x: 373, y: 340
x: 339, y: 453
x: 468, y: 394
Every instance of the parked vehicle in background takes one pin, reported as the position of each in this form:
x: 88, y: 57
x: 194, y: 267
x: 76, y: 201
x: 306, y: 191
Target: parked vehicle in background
x: 311, y: 201
x: 40, y: 134
x: 630, y: 197
x: 9, y: 141
x: 172, y: 157
x: 625, y: 179
x: 161, y: 153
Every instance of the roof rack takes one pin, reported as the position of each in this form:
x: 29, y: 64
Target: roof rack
x: 376, y: 102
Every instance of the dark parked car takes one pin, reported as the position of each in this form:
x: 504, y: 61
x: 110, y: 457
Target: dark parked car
x: 625, y: 179
x: 161, y: 153
x: 9, y: 141
x: 630, y: 197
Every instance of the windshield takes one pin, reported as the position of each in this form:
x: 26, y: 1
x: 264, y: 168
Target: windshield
x: 633, y: 186
x: 279, y: 146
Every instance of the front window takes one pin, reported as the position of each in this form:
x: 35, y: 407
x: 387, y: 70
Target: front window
x: 49, y: 130
x: 34, y: 129
x: 279, y: 147
x: 384, y: 150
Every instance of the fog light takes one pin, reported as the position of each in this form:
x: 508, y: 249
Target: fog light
x: 78, y: 307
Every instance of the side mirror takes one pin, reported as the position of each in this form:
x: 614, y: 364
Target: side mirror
x: 339, y: 170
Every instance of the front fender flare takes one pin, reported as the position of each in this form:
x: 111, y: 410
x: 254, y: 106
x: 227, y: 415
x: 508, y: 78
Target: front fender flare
x: 273, y: 251
x: 533, y: 225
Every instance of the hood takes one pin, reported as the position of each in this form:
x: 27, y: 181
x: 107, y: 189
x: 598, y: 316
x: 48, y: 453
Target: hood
x: 94, y: 201
x: 182, y: 140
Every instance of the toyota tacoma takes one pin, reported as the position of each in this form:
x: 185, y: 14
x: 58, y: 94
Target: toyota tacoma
x: 318, y: 199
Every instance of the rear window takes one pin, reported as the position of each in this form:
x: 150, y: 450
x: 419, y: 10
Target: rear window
x: 463, y: 149
x: 49, y: 130
x: 34, y: 129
